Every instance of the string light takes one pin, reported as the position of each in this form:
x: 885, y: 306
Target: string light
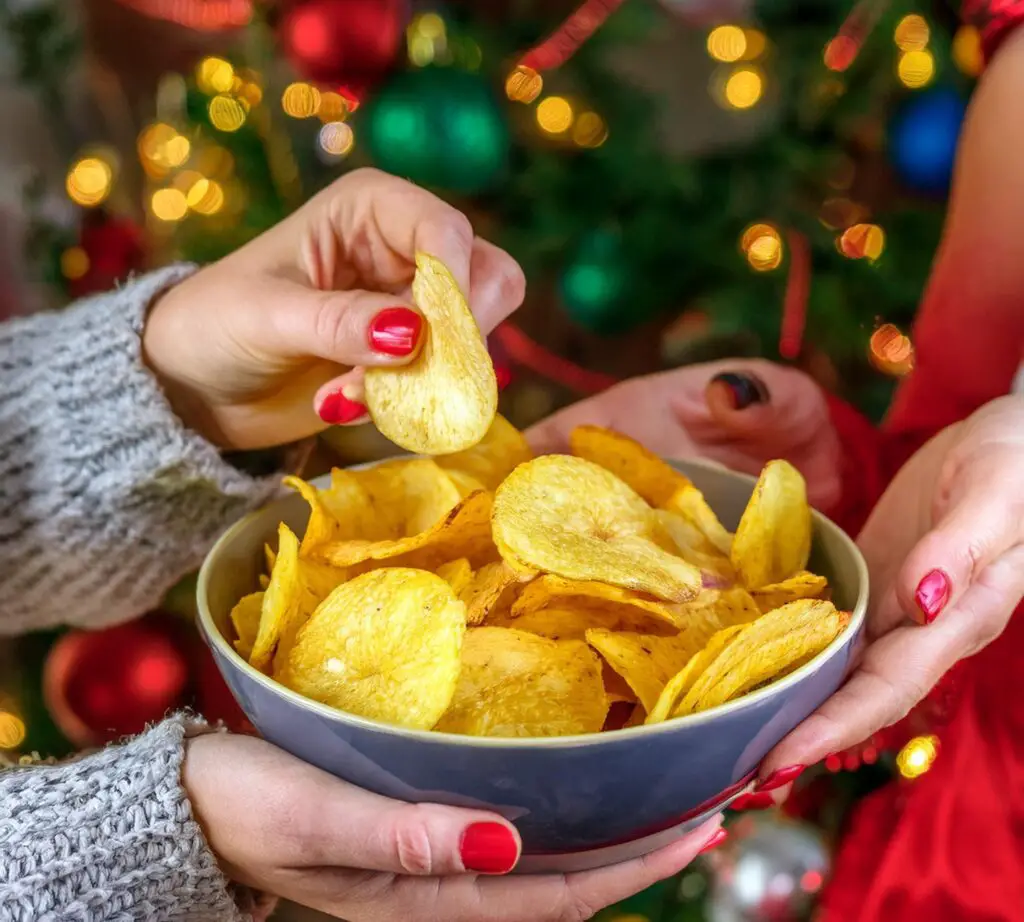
x: 332, y: 108
x: 226, y: 113
x: 524, y: 84
x: 917, y: 756
x: 744, y: 88
x: 205, y: 196
x: 762, y: 245
x: 336, y: 139
x: 912, y: 33
x: 426, y: 39
x: 89, y: 181
x: 161, y: 148
x: 300, y: 100
x: 916, y: 69
x: 555, y: 115
x: 862, y: 241
x: 757, y: 42
x: 215, y: 75
x: 841, y: 52
x: 967, y: 53
x: 12, y: 730
x: 727, y: 44
x: 890, y: 351
x: 74, y: 264
x: 589, y: 130
x: 169, y: 204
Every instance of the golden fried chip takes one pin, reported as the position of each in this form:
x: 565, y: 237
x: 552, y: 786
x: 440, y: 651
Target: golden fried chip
x: 763, y: 649
x: 550, y: 590
x: 271, y: 557
x: 615, y: 687
x: 516, y: 684
x: 563, y: 623
x: 385, y: 645
x: 322, y: 527
x: 263, y: 580
x: 802, y: 585
x: 245, y: 618
x: 773, y: 540
x: 464, y: 532
x: 692, y: 545
x: 320, y: 579
x: 689, y: 502
x: 564, y: 515
x: 683, y: 681
x: 446, y: 399
x: 637, y: 719
x: 457, y: 573
x: 464, y: 483
x: 653, y: 479
x: 645, y: 661
x: 485, y: 589
x: 715, y: 609
x: 282, y: 601
x: 503, y: 448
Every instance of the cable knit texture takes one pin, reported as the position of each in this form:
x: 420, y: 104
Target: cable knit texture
x: 105, y: 501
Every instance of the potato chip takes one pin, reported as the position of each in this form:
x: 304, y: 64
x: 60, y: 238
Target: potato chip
x: 245, y: 618
x: 689, y: 502
x: 556, y: 590
x: 683, y: 681
x: 691, y: 544
x: 645, y: 661
x: 456, y: 573
x: 503, y: 448
x: 385, y: 645
x: 715, y: 609
x: 564, y: 515
x: 464, y: 483
x: 410, y: 495
x: 615, y: 687
x: 282, y: 601
x: 485, y: 589
x: 464, y: 532
x: 763, y: 649
x: 445, y: 400
x: 563, y: 623
x: 803, y: 585
x: 773, y: 539
x: 515, y: 684
x: 654, y: 480
x: 271, y: 557
x: 322, y: 527
x: 637, y: 719
x: 263, y: 580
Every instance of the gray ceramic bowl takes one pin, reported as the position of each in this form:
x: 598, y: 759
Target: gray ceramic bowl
x: 579, y: 802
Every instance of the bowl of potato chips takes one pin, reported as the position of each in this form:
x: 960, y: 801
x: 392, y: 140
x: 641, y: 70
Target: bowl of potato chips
x: 599, y: 645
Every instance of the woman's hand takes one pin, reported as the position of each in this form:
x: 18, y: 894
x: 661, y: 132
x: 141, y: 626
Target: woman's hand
x: 945, y: 550
x: 741, y: 413
x: 284, y: 827
x: 265, y: 347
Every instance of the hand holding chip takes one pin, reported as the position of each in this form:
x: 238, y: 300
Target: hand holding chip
x: 284, y: 827
x: 268, y: 345
x: 945, y: 548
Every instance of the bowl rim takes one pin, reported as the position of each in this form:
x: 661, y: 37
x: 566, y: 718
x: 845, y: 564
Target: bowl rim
x: 216, y: 638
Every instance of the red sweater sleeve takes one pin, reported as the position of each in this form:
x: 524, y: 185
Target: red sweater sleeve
x: 994, y: 19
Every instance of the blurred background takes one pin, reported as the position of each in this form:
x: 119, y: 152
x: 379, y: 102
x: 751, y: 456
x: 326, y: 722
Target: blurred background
x: 695, y: 179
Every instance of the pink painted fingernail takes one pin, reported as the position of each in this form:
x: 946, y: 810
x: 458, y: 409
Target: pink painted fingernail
x: 932, y: 594
x: 337, y: 410
x: 717, y: 839
x: 489, y: 848
x: 753, y: 801
x: 781, y: 777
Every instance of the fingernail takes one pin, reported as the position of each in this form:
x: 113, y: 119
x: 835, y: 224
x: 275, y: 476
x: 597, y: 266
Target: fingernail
x: 488, y: 848
x: 781, y: 777
x: 932, y: 594
x: 755, y: 801
x: 717, y: 839
x: 337, y: 410
x: 741, y: 390
x: 395, y: 331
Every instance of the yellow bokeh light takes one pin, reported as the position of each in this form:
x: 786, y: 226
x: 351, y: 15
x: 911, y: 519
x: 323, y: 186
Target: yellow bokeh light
x: 862, y: 241
x: 841, y: 213
x: 429, y: 25
x: 967, y: 53
x: 755, y: 231
x: 421, y: 49
x: 589, y: 130
x: 336, y: 139
x: 912, y: 33
x: 523, y: 84
x: 161, y: 148
x: 169, y: 204
x: 251, y: 94
x: 916, y: 69
x: 12, y: 730
x: 215, y: 75
x: 727, y: 43
x: 332, y: 108
x: 74, y: 263
x: 89, y: 181
x: 300, y: 100
x: 765, y: 254
x: 226, y: 113
x: 744, y: 88
x: 757, y: 43
x: 555, y: 115
x: 205, y: 196
x: 917, y: 756
x: 890, y: 351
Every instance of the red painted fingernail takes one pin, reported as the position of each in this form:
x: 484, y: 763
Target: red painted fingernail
x: 717, y: 839
x: 337, y: 409
x: 395, y: 331
x: 754, y: 801
x: 781, y: 777
x: 932, y: 594
x: 489, y: 848
x: 740, y: 390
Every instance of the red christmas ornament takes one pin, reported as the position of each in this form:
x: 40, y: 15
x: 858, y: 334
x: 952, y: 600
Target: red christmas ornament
x: 349, y: 42
x: 113, y: 248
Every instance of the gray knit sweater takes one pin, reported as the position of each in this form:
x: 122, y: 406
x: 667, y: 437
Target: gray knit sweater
x: 105, y: 501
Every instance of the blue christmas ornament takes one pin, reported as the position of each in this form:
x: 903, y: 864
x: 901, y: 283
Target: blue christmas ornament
x: 923, y: 138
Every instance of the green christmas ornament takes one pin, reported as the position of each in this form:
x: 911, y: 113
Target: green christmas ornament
x: 595, y: 285
x: 439, y: 127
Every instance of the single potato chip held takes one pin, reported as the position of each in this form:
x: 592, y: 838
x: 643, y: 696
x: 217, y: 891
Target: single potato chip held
x: 490, y: 462
x: 446, y: 399
x: 385, y: 645
x: 773, y: 539
x: 516, y: 684
x: 564, y: 515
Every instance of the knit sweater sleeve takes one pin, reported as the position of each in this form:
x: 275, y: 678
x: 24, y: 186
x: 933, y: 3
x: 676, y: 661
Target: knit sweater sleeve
x: 106, y: 499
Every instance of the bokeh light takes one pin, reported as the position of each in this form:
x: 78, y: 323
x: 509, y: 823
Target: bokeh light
x: 226, y: 113
x: 430, y: 25
x: 890, y: 351
x: 12, y: 730
x: 161, y: 148
x: 215, y: 75
x: 967, y: 53
x: 589, y: 130
x: 841, y: 213
x: 332, y: 108
x: 912, y: 33
x: 744, y: 88
x: 300, y: 100
x: 841, y: 52
x: 917, y: 756
x: 916, y: 69
x: 727, y: 43
x: 862, y: 241
x: 89, y: 181
x: 169, y: 204
x: 762, y: 245
x: 524, y: 84
x: 757, y: 43
x: 555, y: 115
x: 336, y: 139
x: 205, y: 196
x: 74, y: 264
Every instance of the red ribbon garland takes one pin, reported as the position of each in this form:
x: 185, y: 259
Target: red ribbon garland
x: 563, y: 43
